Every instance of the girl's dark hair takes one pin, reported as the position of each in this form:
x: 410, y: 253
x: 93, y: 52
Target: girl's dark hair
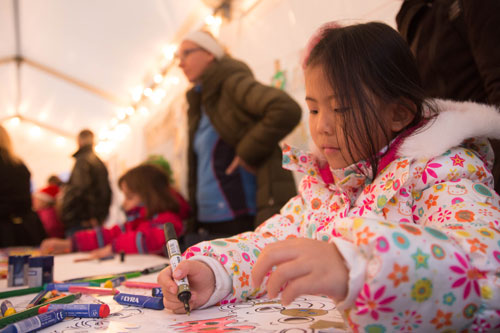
x: 152, y: 185
x: 361, y: 62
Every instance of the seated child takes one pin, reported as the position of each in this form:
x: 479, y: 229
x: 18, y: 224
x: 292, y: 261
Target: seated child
x: 44, y: 204
x: 395, y: 220
x: 148, y: 204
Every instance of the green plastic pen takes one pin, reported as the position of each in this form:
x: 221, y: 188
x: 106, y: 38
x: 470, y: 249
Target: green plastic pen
x: 20, y: 292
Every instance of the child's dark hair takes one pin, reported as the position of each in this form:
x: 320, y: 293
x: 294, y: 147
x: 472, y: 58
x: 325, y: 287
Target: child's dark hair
x: 363, y: 61
x: 152, y: 185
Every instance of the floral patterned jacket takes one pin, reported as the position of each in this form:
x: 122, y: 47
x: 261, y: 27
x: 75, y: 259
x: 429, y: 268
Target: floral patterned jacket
x: 421, y: 240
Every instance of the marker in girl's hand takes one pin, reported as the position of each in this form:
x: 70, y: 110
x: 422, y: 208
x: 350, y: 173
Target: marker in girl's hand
x: 174, y: 254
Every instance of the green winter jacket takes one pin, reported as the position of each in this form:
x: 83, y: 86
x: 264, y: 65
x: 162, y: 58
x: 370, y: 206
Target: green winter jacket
x: 252, y: 118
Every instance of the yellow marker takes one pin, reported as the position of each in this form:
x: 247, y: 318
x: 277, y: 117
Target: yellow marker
x: 7, y: 308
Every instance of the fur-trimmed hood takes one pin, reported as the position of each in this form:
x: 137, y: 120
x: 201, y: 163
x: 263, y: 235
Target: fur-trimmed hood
x: 456, y: 122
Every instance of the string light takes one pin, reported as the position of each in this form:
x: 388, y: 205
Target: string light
x: 14, y: 121
x: 60, y: 141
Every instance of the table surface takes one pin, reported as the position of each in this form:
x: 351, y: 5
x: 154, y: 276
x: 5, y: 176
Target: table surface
x: 305, y: 314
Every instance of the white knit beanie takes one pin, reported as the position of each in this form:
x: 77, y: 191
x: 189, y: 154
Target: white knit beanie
x: 207, y: 42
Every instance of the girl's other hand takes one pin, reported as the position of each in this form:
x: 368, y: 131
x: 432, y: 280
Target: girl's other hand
x: 55, y: 246
x: 303, y: 266
x: 201, y: 283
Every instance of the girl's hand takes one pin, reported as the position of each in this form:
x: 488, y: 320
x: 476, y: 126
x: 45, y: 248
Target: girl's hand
x: 55, y: 246
x: 303, y: 266
x: 201, y: 282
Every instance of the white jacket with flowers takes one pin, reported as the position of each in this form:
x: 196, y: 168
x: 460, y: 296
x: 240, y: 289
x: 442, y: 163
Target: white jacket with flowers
x: 422, y: 240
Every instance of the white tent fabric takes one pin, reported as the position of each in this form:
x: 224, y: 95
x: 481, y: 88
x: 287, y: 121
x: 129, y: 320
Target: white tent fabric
x: 82, y: 60
x: 105, y: 47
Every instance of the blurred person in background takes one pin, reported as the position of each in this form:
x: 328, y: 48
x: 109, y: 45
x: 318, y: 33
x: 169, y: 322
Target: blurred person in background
x: 44, y: 203
x: 19, y: 224
x: 87, y: 195
x: 457, y: 49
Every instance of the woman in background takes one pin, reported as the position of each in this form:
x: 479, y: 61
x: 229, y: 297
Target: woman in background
x: 20, y: 225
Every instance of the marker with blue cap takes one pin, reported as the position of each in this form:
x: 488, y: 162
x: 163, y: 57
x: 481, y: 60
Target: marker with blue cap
x: 155, y: 303
x: 36, y: 323
x: 65, y: 286
x: 157, y: 292
x: 79, y: 310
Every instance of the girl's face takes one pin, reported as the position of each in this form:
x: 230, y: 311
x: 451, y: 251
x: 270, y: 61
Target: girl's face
x: 131, y: 199
x: 325, y: 120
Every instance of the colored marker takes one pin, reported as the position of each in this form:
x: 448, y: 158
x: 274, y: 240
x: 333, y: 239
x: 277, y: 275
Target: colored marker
x: 111, y: 256
x: 53, y: 298
x: 7, y: 308
x: 34, y: 310
x: 104, y: 278
x: 65, y: 286
x: 149, y: 302
x: 37, y: 299
x: 36, y: 323
x: 153, y: 269
x: 92, y: 290
x: 79, y: 310
x: 138, y: 284
x: 19, y: 292
x: 174, y: 254
x: 48, y: 295
x: 157, y: 292
x: 114, y: 282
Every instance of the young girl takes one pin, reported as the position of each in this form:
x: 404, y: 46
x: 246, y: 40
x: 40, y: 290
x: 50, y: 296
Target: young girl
x: 149, y: 203
x: 396, y: 219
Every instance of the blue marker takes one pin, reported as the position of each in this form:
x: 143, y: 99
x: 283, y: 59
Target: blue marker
x: 65, y: 286
x: 36, y: 323
x: 149, y: 302
x: 157, y: 292
x: 114, y: 282
x: 79, y: 310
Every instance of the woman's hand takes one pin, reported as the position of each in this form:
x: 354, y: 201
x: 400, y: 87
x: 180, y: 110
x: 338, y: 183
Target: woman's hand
x: 55, y: 246
x: 237, y: 161
x: 303, y: 266
x: 201, y: 283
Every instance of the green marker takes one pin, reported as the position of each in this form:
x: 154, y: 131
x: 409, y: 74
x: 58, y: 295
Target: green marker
x: 34, y: 310
x: 20, y: 292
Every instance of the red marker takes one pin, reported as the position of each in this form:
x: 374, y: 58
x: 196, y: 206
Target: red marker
x: 93, y: 290
x: 143, y: 285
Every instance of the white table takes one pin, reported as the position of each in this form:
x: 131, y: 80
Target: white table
x: 305, y: 314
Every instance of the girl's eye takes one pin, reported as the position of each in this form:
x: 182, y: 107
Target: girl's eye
x: 313, y: 111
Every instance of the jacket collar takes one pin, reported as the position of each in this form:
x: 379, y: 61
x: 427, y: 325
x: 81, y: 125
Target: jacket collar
x: 217, y: 72
x: 83, y: 150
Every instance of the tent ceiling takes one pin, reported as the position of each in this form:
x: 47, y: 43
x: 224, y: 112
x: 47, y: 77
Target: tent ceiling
x: 108, y: 46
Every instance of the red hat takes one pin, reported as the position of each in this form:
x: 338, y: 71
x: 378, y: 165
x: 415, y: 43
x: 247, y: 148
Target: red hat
x: 48, y: 193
